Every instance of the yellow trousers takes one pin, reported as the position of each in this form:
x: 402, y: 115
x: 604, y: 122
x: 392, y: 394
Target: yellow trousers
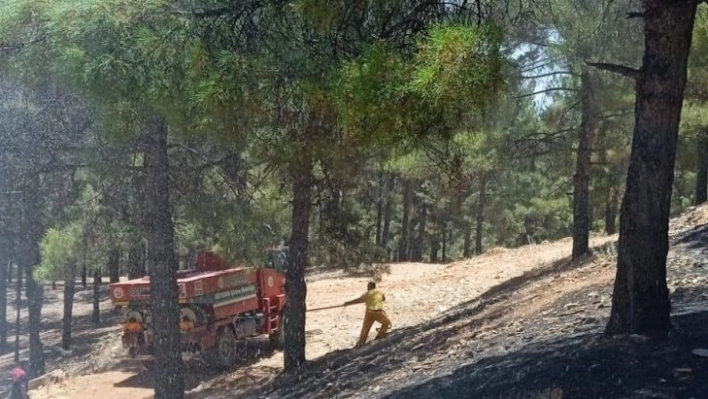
x: 369, y: 318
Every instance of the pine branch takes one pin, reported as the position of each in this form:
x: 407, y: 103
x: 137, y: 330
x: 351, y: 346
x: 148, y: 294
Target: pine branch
x: 544, y: 75
x: 549, y: 90
x: 614, y: 68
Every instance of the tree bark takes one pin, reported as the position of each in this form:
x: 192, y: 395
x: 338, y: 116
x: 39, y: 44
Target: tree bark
x: 18, y: 314
x: 96, y: 313
x: 701, y: 192
x: 163, y: 265
x: 403, y: 245
x: 136, y: 261
x: 69, y: 289
x: 481, y: 203
x: 84, y: 275
x: 640, y: 301
x: 32, y: 236
x: 295, y: 308
x: 581, y: 180
x: 114, y: 265
x: 4, y: 272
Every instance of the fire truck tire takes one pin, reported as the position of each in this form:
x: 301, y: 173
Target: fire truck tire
x: 223, y: 355
x: 277, y: 339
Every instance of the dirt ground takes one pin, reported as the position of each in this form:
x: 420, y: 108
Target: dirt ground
x: 416, y: 293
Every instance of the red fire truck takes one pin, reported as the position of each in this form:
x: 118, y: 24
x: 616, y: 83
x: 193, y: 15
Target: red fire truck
x: 219, y: 305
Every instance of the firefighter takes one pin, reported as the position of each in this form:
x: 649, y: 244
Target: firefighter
x: 132, y: 326
x: 186, y: 325
x: 20, y: 381
x: 374, y: 299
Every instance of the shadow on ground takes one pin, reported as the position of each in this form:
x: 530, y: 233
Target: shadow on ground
x: 352, y: 370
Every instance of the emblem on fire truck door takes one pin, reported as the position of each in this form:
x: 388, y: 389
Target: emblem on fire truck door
x: 220, y: 283
x: 198, y: 288
x: 270, y: 281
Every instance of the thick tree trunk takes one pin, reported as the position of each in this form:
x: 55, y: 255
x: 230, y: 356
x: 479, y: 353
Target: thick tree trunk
x: 114, y: 265
x: 96, y: 313
x: 404, y: 245
x: 34, y: 292
x: 136, y: 261
x: 581, y: 180
x: 481, y: 204
x: 640, y: 301
x: 611, y: 211
x: 69, y: 289
x: 295, y: 308
x: 162, y: 261
x: 18, y: 314
x: 701, y: 192
x: 4, y: 272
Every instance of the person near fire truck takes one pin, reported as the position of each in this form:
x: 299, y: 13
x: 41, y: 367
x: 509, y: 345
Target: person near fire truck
x: 374, y: 299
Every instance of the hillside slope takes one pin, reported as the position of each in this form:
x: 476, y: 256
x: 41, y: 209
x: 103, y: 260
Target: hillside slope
x: 510, y: 323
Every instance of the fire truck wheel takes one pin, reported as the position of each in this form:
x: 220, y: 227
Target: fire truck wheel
x: 277, y: 339
x: 223, y: 354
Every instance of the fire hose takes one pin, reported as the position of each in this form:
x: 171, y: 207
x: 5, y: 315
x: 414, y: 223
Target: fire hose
x: 325, y: 308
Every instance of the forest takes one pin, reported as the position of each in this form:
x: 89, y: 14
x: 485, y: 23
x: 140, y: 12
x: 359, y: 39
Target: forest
x: 357, y: 133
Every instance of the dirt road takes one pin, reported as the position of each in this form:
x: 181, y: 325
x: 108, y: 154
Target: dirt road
x: 415, y: 293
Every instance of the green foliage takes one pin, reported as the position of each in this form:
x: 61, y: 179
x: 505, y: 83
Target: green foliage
x: 386, y: 99
x: 59, y: 250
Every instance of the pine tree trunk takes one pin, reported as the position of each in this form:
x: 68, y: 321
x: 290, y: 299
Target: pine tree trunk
x: 581, y: 180
x: 640, y: 301
x: 69, y: 289
x: 417, y: 253
x: 611, y: 211
x: 444, y: 241
x: 96, y: 313
x: 18, y: 314
x: 84, y: 275
x: 114, y: 265
x: 701, y: 192
x: 388, y: 211
x: 163, y: 266
x: 435, y: 248
x: 403, y: 245
x: 234, y: 169
x: 4, y: 271
x: 295, y: 308
x: 379, y: 209
x: 34, y: 292
x: 467, y: 245
x: 136, y: 261
x: 481, y: 203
